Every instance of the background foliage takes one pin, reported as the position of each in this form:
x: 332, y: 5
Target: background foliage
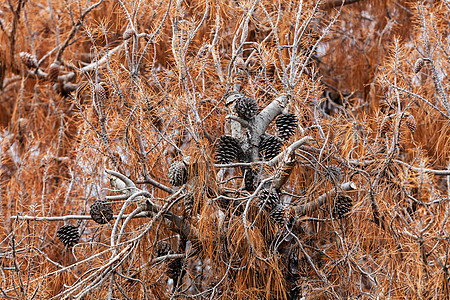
x: 367, y: 80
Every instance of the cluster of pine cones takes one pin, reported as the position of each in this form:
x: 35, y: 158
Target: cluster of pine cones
x: 175, y: 265
x: 229, y: 150
x: 101, y: 212
x: 270, y: 201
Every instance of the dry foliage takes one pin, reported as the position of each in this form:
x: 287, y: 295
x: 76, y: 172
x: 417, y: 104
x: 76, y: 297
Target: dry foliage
x: 99, y: 99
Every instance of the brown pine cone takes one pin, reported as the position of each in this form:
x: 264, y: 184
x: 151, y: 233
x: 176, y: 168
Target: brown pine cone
x: 411, y: 122
x: 28, y: 60
x: 418, y: 65
x: 53, y: 72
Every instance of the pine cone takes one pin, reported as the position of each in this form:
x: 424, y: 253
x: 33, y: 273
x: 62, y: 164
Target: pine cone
x: 101, y: 212
x: 386, y: 126
x: 253, y: 65
x: 249, y: 178
x: 228, y: 149
x: 188, y: 204
x: 53, y: 72
x: 128, y: 33
x: 343, y: 204
x: 178, y: 174
x: 335, y: 173
x: 246, y: 107
x: 163, y: 248
x: 269, y: 146
x: 101, y: 93
x: 411, y: 122
x: 268, y: 199
x: 68, y: 235
x: 174, y: 268
x: 28, y: 60
x: 106, y: 88
x: 286, y: 125
x: 418, y: 65
x: 278, y: 214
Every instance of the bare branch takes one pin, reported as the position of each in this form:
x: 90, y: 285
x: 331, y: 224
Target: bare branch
x: 304, y: 209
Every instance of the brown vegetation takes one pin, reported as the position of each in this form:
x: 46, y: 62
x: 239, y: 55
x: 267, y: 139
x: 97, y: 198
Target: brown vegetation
x: 99, y: 99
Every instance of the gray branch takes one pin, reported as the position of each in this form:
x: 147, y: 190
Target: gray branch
x: 268, y: 114
x: 302, y: 210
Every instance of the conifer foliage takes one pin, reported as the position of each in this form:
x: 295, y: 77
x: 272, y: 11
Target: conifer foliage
x: 224, y: 149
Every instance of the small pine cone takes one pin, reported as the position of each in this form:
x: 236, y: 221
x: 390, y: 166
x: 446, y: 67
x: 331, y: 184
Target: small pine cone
x: 178, y: 174
x: 68, y: 235
x: 246, y: 108
x: 269, y: 147
x: 252, y: 65
x: 174, y: 268
x: 128, y: 33
x: 278, y: 214
x: 53, y: 72
x: 188, y: 204
x: 411, y: 123
x: 101, y: 212
x: 100, y: 93
x: 286, y: 125
x: 249, y: 179
x: 268, y: 199
x: 228, y: 149
x: 342, y: 206
x: 163, y: 248
x: 386, y: 126
x: 28, y: 60
x: 335, y: 173
x: 418, y: 65
x: 106, y: 88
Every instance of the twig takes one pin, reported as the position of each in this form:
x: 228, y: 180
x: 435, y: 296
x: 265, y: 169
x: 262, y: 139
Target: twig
x: 75, y: 30
x: 148, y: 179
x: 244, y: 123
x: 425, y: 170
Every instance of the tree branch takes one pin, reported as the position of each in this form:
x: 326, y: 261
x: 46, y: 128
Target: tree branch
x: 268, y: 114
x: 302, y: 210
x: 335, y: 3
x: 286, y: 154
x: 74, y: 217
x: 75, y: 30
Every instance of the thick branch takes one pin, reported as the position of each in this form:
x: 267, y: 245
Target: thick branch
x: 102, y: 60
x: 184, y: 228
x: 155, y: 183
x: 128, y: 183
x: 73, y: 217
x: 285, y: 155
x: 335, y: 3
x: 147, y: 206
x: 239, y: 120
x: 424, y: 170
x: 302, y: 210
x: 283, y: 176
x: 268, y: 114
